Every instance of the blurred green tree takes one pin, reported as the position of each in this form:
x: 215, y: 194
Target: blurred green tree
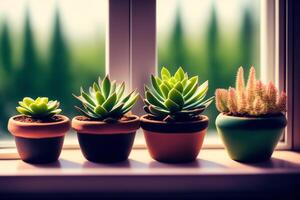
x: 28, y: 75
x: 247, y: 40
x: 6, y: 65
x: 59, y: 66
x: 213, y: 59
x: 5, y: 48
x: 177, y: 55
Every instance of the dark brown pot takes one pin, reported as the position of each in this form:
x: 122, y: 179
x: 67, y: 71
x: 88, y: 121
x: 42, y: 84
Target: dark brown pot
x: 106, y: 142
x: 39, y: 142
x: 174, y: 142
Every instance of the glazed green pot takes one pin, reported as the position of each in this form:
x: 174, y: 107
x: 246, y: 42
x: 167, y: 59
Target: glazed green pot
x: 250, y: 139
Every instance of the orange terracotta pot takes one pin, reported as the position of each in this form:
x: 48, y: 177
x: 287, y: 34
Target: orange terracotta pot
x: 39, y: 142
x: 174, y: 142
x: 106, y: 142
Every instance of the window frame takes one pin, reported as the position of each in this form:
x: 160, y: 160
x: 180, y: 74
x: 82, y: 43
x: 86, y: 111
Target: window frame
x: 274, y: 39
x: 131, y: 43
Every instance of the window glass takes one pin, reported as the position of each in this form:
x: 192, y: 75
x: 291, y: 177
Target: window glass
x: 49, y: 48
x: 209, y: 38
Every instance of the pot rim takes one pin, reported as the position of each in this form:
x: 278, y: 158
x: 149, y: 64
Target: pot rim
x: 174, y: 127
x: 252, y: 118
x: 12, y: 120
x: 144, y: 119
x: 250, y: 123
x: 37, y: 130
x: 100, y: 127
x: 136, y: 118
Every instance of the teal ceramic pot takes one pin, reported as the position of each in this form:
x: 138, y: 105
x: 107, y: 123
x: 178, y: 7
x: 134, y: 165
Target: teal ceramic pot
x: 250, y: 139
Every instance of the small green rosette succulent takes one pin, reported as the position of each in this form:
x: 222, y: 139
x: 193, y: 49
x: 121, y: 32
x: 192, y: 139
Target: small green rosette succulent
x: 40, y: 108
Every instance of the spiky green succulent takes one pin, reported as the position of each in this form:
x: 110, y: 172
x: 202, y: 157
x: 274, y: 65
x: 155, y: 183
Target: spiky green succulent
x: 176, y: 97
x: 106, y: 100
x: 40, y: 108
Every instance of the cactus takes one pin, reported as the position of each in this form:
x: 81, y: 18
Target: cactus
x: 106, y: 100
x: 255, y: 99
x: 176, y: 97
x: 40, y: 108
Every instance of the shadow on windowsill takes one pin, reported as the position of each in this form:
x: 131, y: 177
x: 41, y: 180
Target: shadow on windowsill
x: 199, y: 163
x: 275, y: 163
x: 130, y: 163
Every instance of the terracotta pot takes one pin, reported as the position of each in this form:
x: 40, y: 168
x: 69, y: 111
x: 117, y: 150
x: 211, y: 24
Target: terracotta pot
x: 250, y: 139
x: 174, y: 142
x: 39, y: 142
x: 106, y: 142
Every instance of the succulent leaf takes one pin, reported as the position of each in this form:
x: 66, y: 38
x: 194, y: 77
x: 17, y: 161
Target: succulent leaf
x: 96, y: 87
x: 172, y: 106
x: 176, y: 97
x: 28, y: 101
x: 199, y: 93
x: 178, y: 86
x: 192, y: 91
x: 179, y: 75
x: 184, y: 82
x: 165, y: 74
x: 100, y: 110
x: 23, y: 110
x: 110, y: 102
x: 88, y: 98
x: 105, y: 87
x: 164, y: 89
x: 158, y: 111
x: 128, y: 105
x: 152, y: 100
x: 117, y: 109
x: 120, y: 90
x: 99, y: 97
x: 87, y: 113
x: 113, y: 87
x: 192, y: 83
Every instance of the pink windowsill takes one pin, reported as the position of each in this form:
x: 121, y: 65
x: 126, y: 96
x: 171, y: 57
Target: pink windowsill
x: 213, y: 171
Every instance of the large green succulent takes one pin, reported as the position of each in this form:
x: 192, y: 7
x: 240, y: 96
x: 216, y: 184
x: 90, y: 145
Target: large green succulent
x: 106, y: 100
x: 40, y: 108
x: 175, y: 97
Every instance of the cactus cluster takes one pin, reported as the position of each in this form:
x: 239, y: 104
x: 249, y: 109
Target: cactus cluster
x: 40, y: 108
x: 176, y: 97
x: 106, y: 100
x: 253, y: 99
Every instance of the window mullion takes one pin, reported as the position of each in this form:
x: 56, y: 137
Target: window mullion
x: 118, y: 43
x: 143, y: 45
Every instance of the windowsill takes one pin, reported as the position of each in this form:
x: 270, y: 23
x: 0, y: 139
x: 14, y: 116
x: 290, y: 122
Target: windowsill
x: 213, y: 171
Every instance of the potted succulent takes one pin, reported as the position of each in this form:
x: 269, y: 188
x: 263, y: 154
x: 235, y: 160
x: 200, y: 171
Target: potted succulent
x: 39, y: 131
x: 174, y: 128
x: 252, y: 118
x: 106, y: 131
